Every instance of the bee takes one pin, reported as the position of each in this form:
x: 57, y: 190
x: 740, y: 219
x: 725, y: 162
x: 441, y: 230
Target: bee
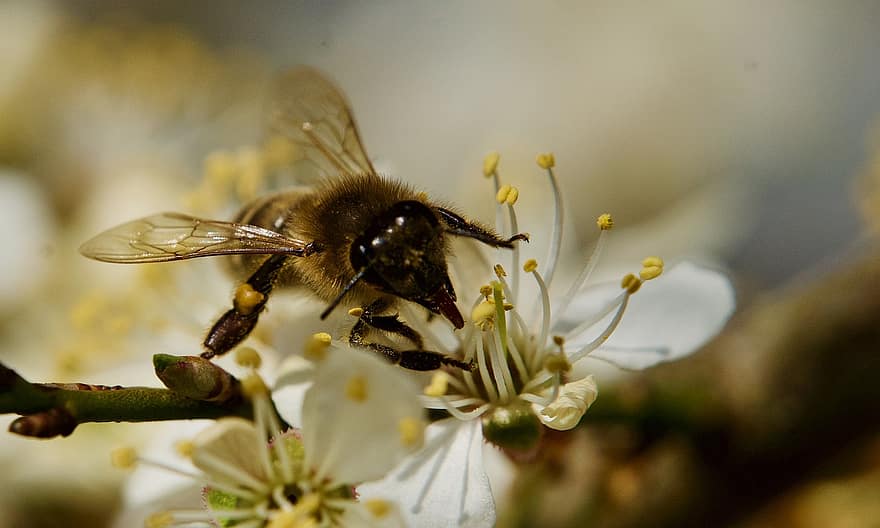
x: 345, y: 233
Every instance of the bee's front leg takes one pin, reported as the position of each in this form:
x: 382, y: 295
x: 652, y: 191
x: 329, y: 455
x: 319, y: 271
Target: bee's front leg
x: 250, y: 299
x: 418, y: 359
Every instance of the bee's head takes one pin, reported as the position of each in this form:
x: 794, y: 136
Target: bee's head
x: 403, y: 253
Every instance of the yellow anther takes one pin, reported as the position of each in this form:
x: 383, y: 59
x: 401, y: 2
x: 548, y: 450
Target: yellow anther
x: 631, y: 283
x: 412, y: 431
x: 490, y: 163
x: 439, y: 384
x: 378, y: 508
x: 185, y: 448
x: 558, y: 340
x: 546, y: 161
x: 159, y: 520
x: 253, y: 386
x: 503, y: 192
x: 316, y: 346
x: 605, y: 222
x: 499, y: 271
x: 123, y: 457
x: 356, y: 389
x: 485, y: 290
x: 512, y: 196
x: 650, y: 272
x: 484, y: 315
x: 530, y: 265
x: 507, y: 307
x: 356, y: 312
x: 248, y: 357
x: 556, y: 363
x: 247, y: 299
x: 652, y: 262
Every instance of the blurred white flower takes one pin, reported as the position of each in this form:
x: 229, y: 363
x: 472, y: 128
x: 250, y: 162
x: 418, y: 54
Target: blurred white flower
x: 361, y: 417
x: 523, y: 348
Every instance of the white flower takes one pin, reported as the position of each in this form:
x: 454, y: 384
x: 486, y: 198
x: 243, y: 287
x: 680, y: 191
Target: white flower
x: 361, y: 417
x: 523, y: 349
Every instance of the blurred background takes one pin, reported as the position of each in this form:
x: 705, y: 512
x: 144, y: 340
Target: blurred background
x: 740, y: 135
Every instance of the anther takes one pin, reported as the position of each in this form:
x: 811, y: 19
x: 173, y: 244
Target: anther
x: 631, y: 283
x: 503, y: 192
x: 530, y: 265
x: 546, y: 161
x: 605, y: 222
x: 499, y: 271
x: 316, y: 346
x: 490, y: 164
x: 248, y: 357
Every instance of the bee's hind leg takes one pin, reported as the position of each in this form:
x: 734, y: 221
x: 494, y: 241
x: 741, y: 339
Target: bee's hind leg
x: 250, y: 299
x: 418, y: 359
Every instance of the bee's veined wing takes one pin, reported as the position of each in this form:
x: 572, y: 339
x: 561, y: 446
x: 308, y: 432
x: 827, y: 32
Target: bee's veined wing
x: 173, y: 236
x: 313, y: 117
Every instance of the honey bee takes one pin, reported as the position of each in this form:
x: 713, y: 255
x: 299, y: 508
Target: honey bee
x: 345, y: 233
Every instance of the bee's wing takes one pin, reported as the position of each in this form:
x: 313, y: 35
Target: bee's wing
x: 312, y: 115
x: 174, y: 236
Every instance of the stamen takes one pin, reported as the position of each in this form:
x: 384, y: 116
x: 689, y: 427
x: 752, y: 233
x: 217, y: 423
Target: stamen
x: 596, y: 343
x: 316, y: 346
x: 514, y: 228
x: 281, y: 499
x: 547, y: 162
x: 490, y: 163
x: 438, y: 386
x: 532, y: 267
x: 588, y: 268
x: 610, y: 307
x: 484, y: 372
x: 223, y: 468
x: 652, y: 267
x: 256, y: 390
x: 518, y: 361
x: 500, y: 372
x: 281, y: 452
x: 247, y: 357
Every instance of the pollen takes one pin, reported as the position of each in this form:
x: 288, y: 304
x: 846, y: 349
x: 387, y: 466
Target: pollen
x: 247, y: 299
x: 411, y: 431
x: 502, y: 194
x: 490, y: 163
x: 159, y: 520
x: 499, y: 271
x: 123, y: 457
x: 438, y: 386
x: 605, y: 222
x: 530, y: 265
x: 248, y: 357
x: 356, y: 312
x: 316, y: 346
x: 631, y: 283
x: 378, y: 508
x: 484, y: 315
x: 546, y: 161
x: 356, y: 389
x: 185, y: 448
x: 253, y: 386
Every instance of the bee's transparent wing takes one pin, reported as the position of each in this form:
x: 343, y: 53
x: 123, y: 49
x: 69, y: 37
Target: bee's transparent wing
x: 312, y: 116
x: 173, y: 236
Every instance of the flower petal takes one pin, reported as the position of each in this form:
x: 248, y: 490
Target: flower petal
x: 445, y: 484
x: 360, y: 417
x: 668, y: 318
x: 569, y: 407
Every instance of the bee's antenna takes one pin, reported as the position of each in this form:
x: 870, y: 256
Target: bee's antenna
x: 358, y: 276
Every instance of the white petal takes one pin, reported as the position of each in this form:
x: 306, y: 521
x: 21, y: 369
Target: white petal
x: 352, y: 440
x: 445, y: 484
x: 569, y: 407
x: 668, y: 318
x: 294, y: 379
x: 236, y: 442
x: 358, y: 514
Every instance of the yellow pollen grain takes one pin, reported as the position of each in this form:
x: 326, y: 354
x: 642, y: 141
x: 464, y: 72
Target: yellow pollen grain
x: 438, y: 386
x: 411, y: 431
x: 546, y: 161
x: 253, y: 386
x: 185, y: 448
x: 484, y: 313
x: 356, y: 312
x: 605, y: 222
x: 556, y: 363
x: 159, y: 520
x: 378, y: 508
x: 512, y: 196
x: 123, y: 457
x: 530, y: 265
x: 247, y: 299
x: 503, y: 192
x: 499, y: 271
x: 490, y: 163
x: 248, y: 357
x: 631, y: 283
x: 356, y: 389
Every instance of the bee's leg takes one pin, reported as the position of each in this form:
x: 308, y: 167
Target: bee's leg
x: 250, y: 299
x: 456, y: 225
x: 408, y: 359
